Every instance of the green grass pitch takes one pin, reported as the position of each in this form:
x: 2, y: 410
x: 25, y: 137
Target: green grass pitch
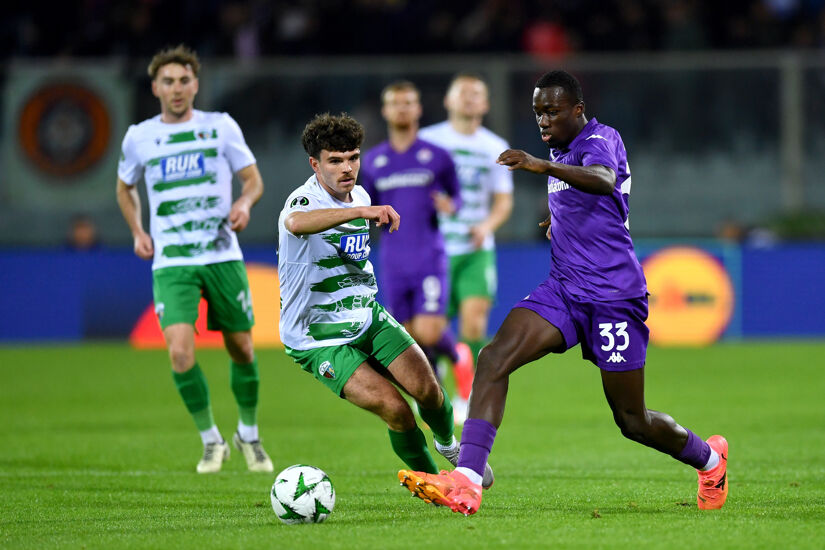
x: 97, y: 451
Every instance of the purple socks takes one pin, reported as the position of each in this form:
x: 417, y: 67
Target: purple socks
x: 476, y: 442
x: 696, y: 452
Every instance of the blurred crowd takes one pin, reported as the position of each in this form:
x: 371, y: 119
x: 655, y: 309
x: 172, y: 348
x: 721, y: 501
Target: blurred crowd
x: 253, y: 28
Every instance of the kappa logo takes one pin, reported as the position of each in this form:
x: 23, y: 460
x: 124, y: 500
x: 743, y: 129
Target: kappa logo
x: 326, y: 370
x: 596, y: 136
x: 299, y: 201
x: 616, y: 357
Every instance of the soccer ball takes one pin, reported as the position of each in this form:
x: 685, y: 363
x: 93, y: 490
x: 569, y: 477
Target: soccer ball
x: 302, y: 494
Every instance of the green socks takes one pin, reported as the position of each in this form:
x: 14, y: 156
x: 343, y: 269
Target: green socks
x: 195, y: 393
x: 244, y: 381
x: 411, y: 448
x: 440, y: 420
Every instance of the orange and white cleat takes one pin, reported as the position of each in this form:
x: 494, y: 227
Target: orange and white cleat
x: 713, y: 484
x: 450, y: 489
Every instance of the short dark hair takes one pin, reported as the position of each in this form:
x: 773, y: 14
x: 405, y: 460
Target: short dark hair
x: 180, y: 54
x: 333, y: 133
x: 563, y: 80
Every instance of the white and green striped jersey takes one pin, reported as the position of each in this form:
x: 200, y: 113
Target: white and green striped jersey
x: 479, y: 176
x: 326, y: 279
x: 187, y: 168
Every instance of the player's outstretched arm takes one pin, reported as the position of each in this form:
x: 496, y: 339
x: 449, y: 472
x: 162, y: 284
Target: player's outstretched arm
x: 129, y: 202
x: 595, y: 179
x: 253, y: 188
x: 315, y: 221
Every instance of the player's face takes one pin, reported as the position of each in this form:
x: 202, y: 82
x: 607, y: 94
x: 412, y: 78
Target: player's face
x: 467, y: 98
x: 337, y: 171
x: 402, y: 108
x: 558, y: 115
x: 175, y: 86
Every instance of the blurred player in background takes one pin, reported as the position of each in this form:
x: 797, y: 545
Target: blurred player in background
x: 186, y: 158
x: 419, y: 181
x: 469, y: 231
x: 596, y: 295
x: 330, y: 323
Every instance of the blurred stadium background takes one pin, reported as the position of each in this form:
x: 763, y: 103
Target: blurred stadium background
x: 720, y: 105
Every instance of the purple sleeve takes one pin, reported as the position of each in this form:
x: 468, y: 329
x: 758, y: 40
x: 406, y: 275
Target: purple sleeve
x: 599, y: 150
x: 448, y: 178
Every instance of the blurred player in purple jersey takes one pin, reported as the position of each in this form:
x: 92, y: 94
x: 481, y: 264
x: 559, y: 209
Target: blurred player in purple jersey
x: 419, y: 180
x: 595, y: 296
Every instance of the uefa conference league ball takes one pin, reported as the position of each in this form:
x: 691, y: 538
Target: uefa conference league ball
x: 302, y: 494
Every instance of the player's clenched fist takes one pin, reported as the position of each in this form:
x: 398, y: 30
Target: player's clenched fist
x: 517, y: 159
x: 382, y: 214
x: 143, y: 246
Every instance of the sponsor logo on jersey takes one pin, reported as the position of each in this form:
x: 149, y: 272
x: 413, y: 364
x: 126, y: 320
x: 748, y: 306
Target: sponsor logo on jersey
x: 180, y: 167
x: 299, y: 201
x: 355, y: 246
x: 424, y: 156
x: 555, y: 185
x: 616, y: 357
x: 326, y: 370
x: 413, y: 178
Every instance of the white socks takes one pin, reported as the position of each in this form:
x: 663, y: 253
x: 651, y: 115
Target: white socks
x: 441, y: 448
x: 713, y: 461
x: 212, y: 435
x: 248, y: 433
x: 471, y: 474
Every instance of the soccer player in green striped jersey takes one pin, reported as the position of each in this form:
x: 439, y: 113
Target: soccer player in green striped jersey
x: 187, y: 159
x: 330, y: 323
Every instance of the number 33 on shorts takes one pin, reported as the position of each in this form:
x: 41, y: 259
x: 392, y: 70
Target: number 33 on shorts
x: 621, y: 345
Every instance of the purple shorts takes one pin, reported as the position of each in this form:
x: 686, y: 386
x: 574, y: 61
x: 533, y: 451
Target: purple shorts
x: 613, y: 335
x: 409, y: 294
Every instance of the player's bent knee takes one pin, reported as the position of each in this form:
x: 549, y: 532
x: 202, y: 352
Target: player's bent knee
x: 181, y: 361
x: 493, y: 362
x: 398, y: 416
x: 430, y: 396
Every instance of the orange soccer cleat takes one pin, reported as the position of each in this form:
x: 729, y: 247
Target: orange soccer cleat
x: 450, y: 489
x: 713, y: 484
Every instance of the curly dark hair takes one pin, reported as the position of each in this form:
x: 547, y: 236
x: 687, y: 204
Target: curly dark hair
x: 332, y: 132
x: 565, y: 81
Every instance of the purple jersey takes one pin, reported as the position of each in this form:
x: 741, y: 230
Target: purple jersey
x: 406, y: 181
x: 593, y: 253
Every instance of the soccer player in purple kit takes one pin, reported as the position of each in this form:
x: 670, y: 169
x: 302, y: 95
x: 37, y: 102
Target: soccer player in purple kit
x: 419, y: 180
x: 595, y: 295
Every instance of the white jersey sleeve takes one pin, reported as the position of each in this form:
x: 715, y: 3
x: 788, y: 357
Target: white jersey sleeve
x: 129, y: 167
x: 236, y: 150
